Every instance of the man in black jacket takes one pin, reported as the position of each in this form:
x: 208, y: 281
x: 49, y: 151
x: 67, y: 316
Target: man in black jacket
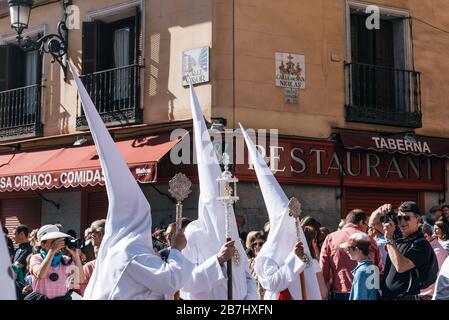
x: 407, y: 257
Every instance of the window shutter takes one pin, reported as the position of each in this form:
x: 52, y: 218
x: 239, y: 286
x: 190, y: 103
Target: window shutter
x: 16, y: 211
x: 38, y: 64
x: 385, y: 45
x: 4, y: 68
x: 97, y: 47
x: 138, y: 38
x: 105, y: 44
x: 12, y: 69
x: 17, y: 70
x: 354, y: 38
x: 90, y: 46
x: 365, y: 42
x: 370, y: 199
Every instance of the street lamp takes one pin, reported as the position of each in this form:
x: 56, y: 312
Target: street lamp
x: 54, y: 44
x: 20, y: 14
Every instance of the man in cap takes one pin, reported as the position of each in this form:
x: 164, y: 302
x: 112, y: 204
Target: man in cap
x: 410, y: 259
x: 50, y: 269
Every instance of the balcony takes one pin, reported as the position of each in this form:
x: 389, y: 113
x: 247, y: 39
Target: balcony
x: 20, y: 113
x: 116, y: 95
x: 382, y: 95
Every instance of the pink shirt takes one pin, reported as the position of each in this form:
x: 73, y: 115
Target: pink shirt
x: 45, y: 286
x: 88, y: 271
x: 336, y: 263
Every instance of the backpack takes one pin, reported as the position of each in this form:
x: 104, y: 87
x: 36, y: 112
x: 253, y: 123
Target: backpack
x: 428, y: 273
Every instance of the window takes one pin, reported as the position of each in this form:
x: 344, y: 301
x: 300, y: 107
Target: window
x: 111, y: 64
x: 382, y: 86
x: 110, y: 45
x: 19, y: 68
x: 20, y: 93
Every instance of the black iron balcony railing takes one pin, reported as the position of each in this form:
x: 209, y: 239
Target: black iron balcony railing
x: 20, y: 113
x: 383, y: 95
x: 116, y: 95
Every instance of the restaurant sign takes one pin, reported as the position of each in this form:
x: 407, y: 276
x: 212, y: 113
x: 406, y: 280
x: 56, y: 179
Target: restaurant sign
x: 327, y: 163
x: 144, y: 173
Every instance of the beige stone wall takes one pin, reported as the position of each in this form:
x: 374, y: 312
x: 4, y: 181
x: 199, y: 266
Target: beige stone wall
x: 171, y: 26
x: 315, y: 29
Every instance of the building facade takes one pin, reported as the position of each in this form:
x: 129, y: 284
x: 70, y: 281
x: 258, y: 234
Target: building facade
x: 357, y: 94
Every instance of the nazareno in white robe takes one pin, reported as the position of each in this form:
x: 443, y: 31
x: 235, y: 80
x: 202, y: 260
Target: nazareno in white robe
x: 127, y: 266
x: 276, y: 265
x: 206, y: 235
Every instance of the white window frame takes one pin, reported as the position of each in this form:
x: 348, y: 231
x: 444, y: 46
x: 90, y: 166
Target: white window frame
x: 117, y: 9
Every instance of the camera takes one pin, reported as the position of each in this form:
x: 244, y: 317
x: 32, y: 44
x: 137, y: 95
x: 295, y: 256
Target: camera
x: 392, y: 215
x: 73, y: 243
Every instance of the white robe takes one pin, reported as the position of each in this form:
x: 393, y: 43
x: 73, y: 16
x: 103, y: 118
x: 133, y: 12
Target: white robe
x: 209, y: 281
x: 276, y: 266
x: 146, y: 278
x: 7, y: 286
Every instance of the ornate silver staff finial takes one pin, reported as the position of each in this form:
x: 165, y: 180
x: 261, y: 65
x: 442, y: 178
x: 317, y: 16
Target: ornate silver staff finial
x: 227, y: 195
x: 294, y: 210
x: 180, y: 188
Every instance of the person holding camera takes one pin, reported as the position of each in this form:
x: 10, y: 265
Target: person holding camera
x: 411, y: 263
x: 51, y: 271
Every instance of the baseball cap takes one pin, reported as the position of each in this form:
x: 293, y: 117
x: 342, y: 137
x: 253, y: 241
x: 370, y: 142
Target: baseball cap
x: 358, y: 239
x: 49, y: 232
x: 410, y: 206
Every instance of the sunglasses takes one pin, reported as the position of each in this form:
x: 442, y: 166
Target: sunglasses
x: 405, y: 218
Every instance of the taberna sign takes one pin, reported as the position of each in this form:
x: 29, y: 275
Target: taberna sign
x: 404, y: 144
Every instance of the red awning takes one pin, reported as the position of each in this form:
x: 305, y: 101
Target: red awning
x: 80, y: 166
x: 404, y: 144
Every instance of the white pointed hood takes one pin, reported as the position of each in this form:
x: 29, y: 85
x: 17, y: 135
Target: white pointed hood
x: 7, y: 286
x: 128, y: 223
x: 208, y: 231
x: 282, y: 236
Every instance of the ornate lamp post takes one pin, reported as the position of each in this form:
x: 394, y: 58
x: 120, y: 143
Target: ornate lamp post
x: 54, y: 44
x: 227, y: 191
